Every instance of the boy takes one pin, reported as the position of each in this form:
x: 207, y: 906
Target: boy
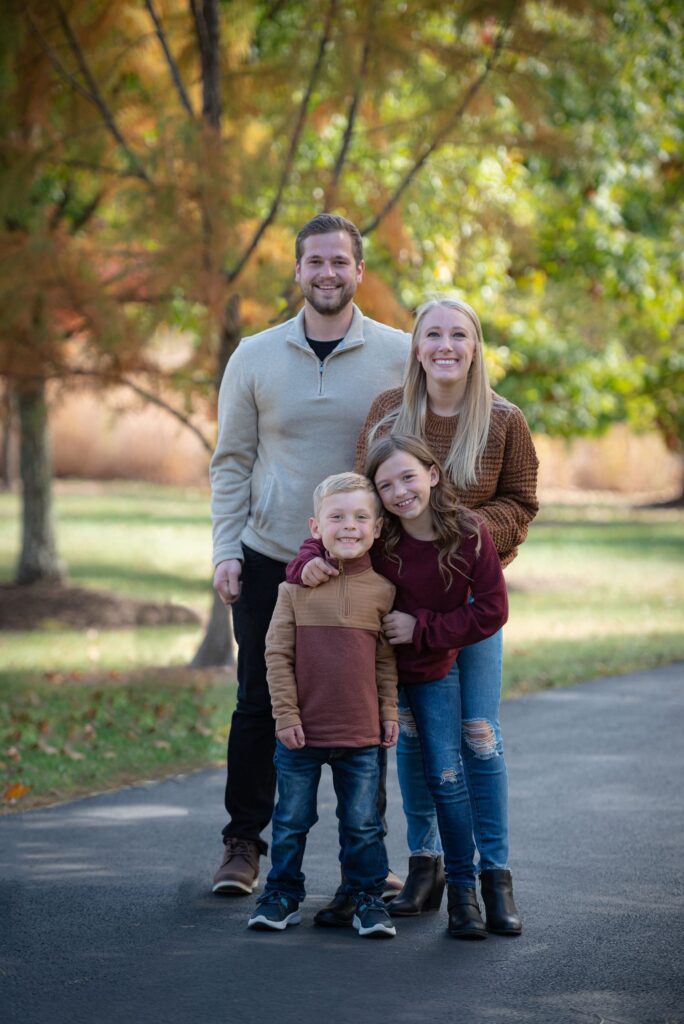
x: 333, y: 684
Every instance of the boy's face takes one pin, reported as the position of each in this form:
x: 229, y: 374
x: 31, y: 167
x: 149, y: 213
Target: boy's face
x: 347, y: 523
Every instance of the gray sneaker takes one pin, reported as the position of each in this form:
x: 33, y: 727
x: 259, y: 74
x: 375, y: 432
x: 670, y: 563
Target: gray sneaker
x: 371, y: 919
x: 239, y: 871
x: 275, y: 911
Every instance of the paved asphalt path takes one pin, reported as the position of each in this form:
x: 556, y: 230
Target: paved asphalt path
x: 106, y: 912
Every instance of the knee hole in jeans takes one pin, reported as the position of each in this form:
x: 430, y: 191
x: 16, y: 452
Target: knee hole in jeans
x: 479, y: 736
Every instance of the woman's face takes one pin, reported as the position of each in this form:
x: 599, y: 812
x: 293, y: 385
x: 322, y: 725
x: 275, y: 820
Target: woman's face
x: 446, y: 346
x: 404, y: 485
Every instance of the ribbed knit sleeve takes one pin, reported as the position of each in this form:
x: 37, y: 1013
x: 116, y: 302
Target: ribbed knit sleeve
x: 280, y: 662
x: 386, y: 678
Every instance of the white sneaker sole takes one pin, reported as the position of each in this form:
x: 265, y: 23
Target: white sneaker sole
x: 235, y: 887
x: 259, y: 921
x: 378, y: 931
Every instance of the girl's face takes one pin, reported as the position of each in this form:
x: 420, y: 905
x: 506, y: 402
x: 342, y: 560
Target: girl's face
x: 446, y: 346
x: 404, y: 486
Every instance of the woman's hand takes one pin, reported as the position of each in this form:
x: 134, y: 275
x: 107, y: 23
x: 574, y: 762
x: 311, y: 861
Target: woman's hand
x: 317, y: 571
x: 398, y: 627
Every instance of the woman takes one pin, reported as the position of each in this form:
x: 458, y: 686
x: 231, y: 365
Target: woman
x: 485, y: 446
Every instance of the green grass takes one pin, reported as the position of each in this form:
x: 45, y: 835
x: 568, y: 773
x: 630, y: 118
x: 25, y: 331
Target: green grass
x: 596, y: 590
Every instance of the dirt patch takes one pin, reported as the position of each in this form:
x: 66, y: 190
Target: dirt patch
x: 42, y: 604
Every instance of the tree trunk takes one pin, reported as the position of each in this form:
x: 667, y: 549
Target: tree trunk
x: 216, y: 648
x: 6, y: 475
x: 38, y: 559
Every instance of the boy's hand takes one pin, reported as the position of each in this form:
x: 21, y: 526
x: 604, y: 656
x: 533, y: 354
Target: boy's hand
x: 292, y: 738
x: 317, y: 571
x: 398, y: 627
x: 391, y: 733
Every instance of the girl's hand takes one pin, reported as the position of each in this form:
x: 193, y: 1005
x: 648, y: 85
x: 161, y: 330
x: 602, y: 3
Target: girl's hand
x: 391, y: 733
x: 398, y: 627
x: 317, y: 571
x: 293, y: 738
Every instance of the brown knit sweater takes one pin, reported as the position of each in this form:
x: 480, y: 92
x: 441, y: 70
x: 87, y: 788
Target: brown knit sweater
x: 506, y: 493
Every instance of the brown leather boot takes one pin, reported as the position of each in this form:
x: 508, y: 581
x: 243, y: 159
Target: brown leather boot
x: 239, y: 871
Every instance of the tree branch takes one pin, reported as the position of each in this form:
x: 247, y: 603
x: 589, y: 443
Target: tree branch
x: 173, y: 67
x: 149, y: 396
x: 353, y: 111
x: 444, y: 132
x: 231, y: 275
x: 207, y: 28
x: 95, y: 96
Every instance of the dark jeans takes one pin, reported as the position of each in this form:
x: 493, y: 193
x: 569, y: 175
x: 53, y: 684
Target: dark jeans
x: 355, y: 772
x: 250, y: 786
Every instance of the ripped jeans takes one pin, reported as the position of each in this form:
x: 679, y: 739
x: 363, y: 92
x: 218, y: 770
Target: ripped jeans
x: 474, y: 685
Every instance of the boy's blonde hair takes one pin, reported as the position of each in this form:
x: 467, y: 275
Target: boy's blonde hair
x: 342, y: 483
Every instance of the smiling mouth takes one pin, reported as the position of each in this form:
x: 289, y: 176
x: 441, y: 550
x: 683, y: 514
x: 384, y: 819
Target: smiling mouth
x: 405, y: 503
x: 446, y: 362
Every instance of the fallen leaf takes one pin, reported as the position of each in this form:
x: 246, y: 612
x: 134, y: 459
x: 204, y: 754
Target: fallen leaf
x: 45, y: 747
x: 15, y: 791
x: 74, y: 755
x: 109, y: 755
x: 202, y: 730
x: 13, y: 754
x: 161, y: 744
x: 89, y: 731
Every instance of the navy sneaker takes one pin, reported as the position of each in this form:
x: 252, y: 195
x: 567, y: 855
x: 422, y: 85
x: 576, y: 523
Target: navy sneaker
x: 371, y: 919
x: 275, y: 911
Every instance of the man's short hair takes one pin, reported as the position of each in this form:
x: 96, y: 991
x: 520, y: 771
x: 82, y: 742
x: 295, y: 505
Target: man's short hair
x: 323, y: 224
x: 342, y: 483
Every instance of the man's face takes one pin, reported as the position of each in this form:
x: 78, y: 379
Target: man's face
x: 347, y: 523
x: 327, y: 273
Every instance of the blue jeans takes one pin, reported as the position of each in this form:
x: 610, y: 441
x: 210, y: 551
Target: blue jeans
x: 356, y: 775
x: 478, y: 672
x: 435, y: 708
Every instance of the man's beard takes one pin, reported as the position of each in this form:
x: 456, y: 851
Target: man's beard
x: 333, y: 305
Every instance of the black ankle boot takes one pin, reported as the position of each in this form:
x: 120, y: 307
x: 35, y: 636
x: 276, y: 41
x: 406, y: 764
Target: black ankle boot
x: 339, y: 913
x: 423, y: 888
x: 496, y: 886
x: 465, y: 920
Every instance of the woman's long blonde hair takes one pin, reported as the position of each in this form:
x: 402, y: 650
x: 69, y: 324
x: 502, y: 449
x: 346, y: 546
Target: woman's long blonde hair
x: 452, y: 522
x: 470, y: 438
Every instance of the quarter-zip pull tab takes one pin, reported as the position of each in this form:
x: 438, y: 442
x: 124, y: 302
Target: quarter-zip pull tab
x: 321, y: 367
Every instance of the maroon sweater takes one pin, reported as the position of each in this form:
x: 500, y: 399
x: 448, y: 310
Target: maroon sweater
x: 446, y: 619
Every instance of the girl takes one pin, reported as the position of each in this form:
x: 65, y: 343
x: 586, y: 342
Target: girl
x: 450, y: 593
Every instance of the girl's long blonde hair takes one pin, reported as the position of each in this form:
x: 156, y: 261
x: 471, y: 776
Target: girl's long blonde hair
x: 462, y: 464
x: 452, y: 522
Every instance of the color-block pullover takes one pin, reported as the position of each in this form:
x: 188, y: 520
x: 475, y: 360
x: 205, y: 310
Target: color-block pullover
x: 329, y: 668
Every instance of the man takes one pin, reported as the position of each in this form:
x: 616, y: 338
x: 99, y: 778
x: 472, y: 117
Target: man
x: 291, y: 405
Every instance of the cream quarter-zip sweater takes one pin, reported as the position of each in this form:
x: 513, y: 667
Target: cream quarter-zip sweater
x: 286, y: 421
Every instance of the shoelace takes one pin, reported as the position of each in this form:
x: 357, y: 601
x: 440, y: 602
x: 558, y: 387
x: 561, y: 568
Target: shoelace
x: 239, y: 848
x: 367, y: 902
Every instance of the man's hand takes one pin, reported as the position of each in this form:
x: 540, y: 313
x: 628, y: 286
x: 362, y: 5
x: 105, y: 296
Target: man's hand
x: 390, y: 731
x: 317, y: 571
x: 398, y: 627
x: 292, y: 738
x: 227, y: 580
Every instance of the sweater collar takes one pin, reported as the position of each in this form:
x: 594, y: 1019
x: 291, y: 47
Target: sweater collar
x: 351, y: 566
x: 354, y: 336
